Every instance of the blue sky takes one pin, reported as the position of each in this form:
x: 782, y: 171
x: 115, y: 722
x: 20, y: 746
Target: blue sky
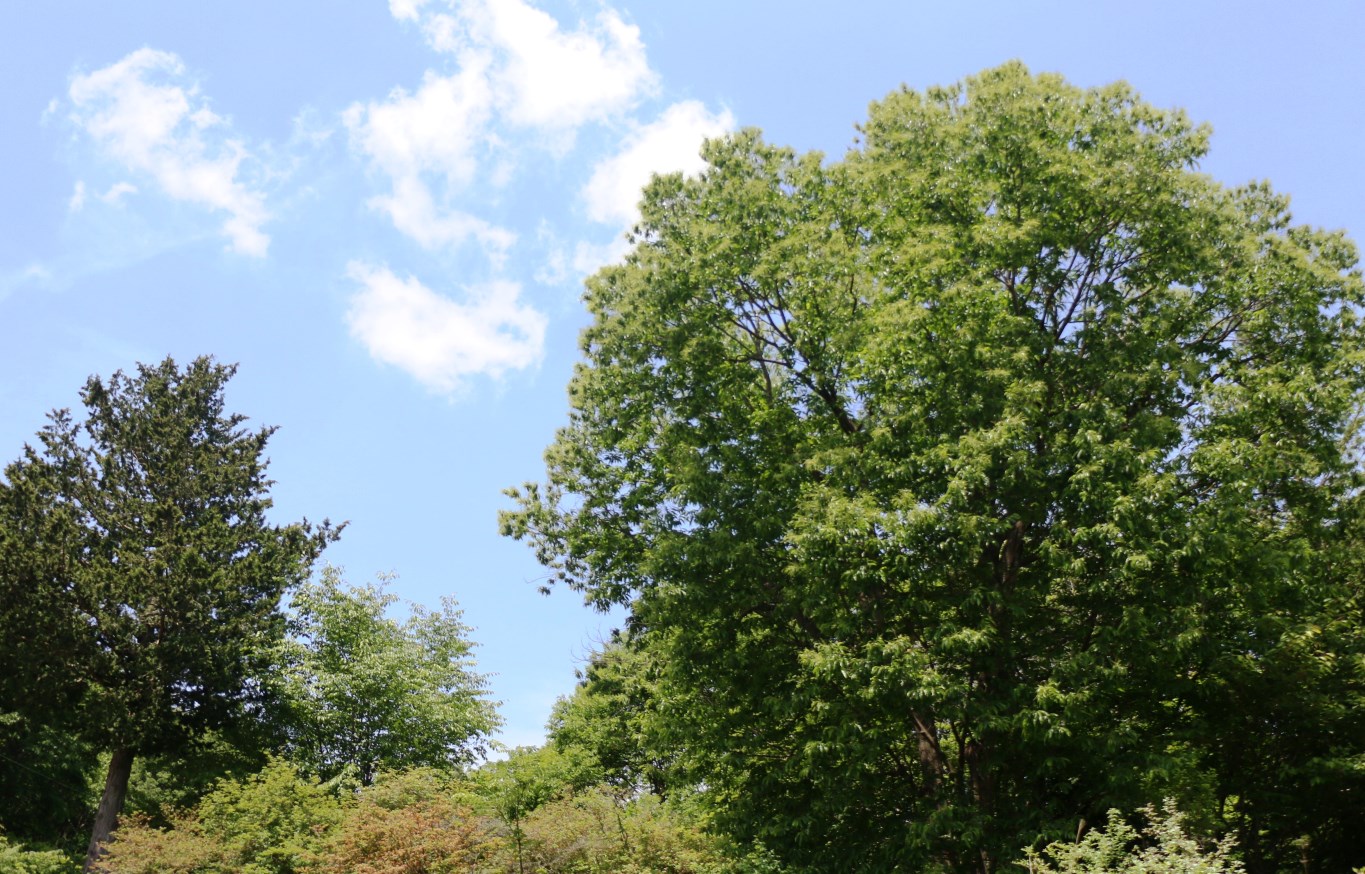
x: 383, y: 211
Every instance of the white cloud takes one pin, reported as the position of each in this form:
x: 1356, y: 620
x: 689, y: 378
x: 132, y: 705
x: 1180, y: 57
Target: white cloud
x: 514, y: 67
x: 440, y: 341
x: 554, y: 265
x: 438, y: 129
x: 670, y: 144
x: 451, y: 153
x: 32, y: 274
x: 77, y: 201
x: 413, y: 212
x: 557, y: 79
x: 406, y: 10
x: 312, y: 128
x: 561, y: 261
x: 589, y: 257
x: 433, y: 135
x: 544, y: 76
x: 137, y: 113
x: 444, y: 32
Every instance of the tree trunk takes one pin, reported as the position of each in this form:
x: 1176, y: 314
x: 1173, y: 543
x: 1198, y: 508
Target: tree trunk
x: 106, y: 817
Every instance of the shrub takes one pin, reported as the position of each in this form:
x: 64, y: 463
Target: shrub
x: 1161, y: 847
x: 596, y: 832
x: 14, y: 859
x: 272, y: 822
x: 407, y: 824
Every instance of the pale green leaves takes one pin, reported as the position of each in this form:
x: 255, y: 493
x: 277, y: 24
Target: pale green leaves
x: 365, y: 691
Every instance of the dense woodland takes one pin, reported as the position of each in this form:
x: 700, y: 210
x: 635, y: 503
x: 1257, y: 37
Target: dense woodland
x: 991, y: 497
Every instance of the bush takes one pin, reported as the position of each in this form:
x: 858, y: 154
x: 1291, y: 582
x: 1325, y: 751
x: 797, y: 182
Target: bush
x: 596, y: 832
x: 14, y: 859
x: 1162, y: 847
x: 139, y: 847
x: 408, y: 823
x: 272, y: 822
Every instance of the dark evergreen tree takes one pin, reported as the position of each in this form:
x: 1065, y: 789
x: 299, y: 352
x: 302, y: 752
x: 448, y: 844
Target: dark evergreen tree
x: 140, y: 579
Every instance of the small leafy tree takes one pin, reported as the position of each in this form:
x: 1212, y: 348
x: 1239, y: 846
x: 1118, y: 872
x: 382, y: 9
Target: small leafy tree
x: 366, y: 691
x: 411, y: 822
x: 511, y: 789
x: 611, y: 716
x: 596, y: 831
x: 179, y: 847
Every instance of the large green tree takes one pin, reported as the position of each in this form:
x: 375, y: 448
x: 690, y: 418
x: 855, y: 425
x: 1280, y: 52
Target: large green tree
x: 140, y: 579
x: 1000, y: 474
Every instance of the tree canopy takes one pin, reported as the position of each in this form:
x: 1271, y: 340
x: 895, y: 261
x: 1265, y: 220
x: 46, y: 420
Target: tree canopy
x: 999, y: 474
x: 142, y: 579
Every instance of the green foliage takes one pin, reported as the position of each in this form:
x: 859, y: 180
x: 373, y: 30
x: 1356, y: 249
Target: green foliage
x: 158, y: 573
x: 182, y: 847
x: 408, y: 823
x: 15, y: 859
x: 997, y: 475
x: 611, y: 717
x: 529, y: 777
x: 167, y: 782
x: 596, y: 832
x: 139, y: 578
x: 519, y: 817
x: 44, y: 783
x: 365, y: 691
x: 1162, y: 847
x: 271, y: 822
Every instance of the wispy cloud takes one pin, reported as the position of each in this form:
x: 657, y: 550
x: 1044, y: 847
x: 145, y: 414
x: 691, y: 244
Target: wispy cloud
x: 439, y: 341
x: 113, y: 197
x: 515, y: 71
x: 30, y: 274
x: 406, y: 10
x: 415, y: 213
x: 668, y: 145
x: 117, y: 191
x: 142, y: 113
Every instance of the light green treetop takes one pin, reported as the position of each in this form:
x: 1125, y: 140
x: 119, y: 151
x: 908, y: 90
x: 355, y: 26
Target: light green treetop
x: 367, y: 691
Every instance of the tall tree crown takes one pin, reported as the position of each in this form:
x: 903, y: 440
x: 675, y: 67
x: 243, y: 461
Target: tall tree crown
x: 143, y: 542
x: 976, y: 483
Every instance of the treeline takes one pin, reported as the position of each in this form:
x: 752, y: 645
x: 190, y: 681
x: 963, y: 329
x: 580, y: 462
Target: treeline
x: 161, y: 709
x: 598, y: 798
x: 547, y: 809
